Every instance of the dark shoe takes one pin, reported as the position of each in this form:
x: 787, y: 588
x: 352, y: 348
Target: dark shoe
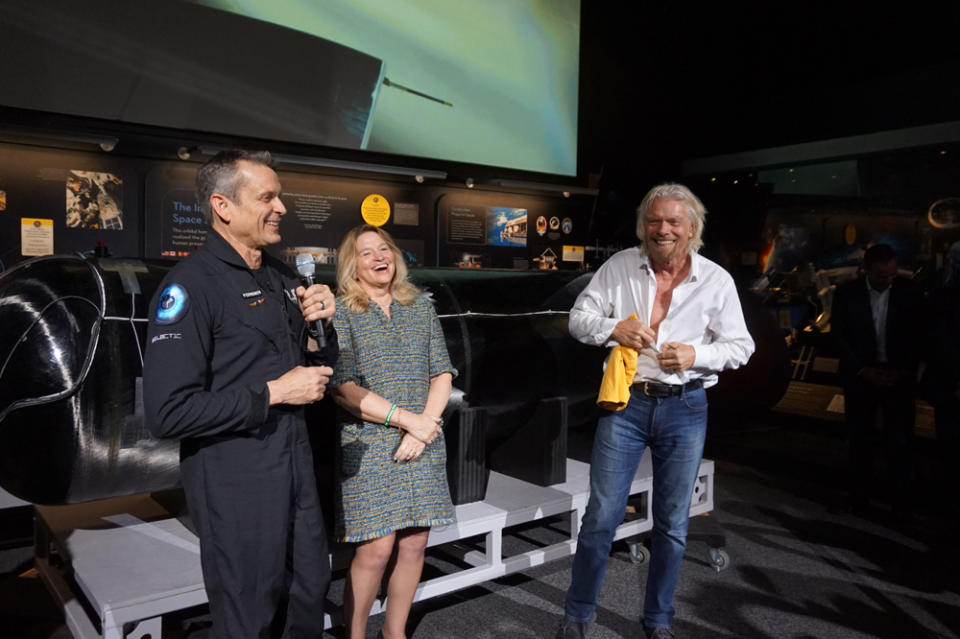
x: 570, y: 629
x: 658, y: 632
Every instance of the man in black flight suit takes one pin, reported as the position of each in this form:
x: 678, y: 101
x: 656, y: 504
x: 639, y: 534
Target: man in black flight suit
x: 230, y: 363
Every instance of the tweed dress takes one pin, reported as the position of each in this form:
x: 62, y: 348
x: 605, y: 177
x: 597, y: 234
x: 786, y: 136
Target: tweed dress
x: 395, y: 358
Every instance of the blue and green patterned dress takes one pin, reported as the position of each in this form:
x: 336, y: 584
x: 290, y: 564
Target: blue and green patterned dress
x: 395, y: 358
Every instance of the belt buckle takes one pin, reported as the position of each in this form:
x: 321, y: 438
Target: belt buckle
x: 650, y: 390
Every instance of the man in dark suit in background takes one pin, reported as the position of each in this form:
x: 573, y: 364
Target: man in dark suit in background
x: 941, y: 383
x: 877, y: 323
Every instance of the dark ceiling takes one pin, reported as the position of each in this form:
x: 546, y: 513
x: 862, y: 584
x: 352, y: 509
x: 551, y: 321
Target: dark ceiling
x: 669, y: 81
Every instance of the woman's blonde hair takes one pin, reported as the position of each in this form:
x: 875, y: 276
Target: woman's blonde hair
x: 349, y: 288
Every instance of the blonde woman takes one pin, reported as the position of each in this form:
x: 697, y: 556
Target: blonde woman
x: 392, y: 380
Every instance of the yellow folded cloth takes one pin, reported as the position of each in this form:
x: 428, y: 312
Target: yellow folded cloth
x: 617, y: 379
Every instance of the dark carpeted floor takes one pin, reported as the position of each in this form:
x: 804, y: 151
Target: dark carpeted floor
x: 802, y: 562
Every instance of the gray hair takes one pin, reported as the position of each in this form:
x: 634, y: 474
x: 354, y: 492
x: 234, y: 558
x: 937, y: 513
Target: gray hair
x: 672, y: 191
x: 221, y: 174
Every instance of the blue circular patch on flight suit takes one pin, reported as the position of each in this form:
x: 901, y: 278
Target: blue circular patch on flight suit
x: 172, y: 304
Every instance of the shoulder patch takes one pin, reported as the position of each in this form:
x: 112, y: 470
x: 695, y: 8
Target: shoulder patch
x: 172, y: 304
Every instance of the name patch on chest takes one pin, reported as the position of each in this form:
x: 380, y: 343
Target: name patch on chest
x: 249, y: 294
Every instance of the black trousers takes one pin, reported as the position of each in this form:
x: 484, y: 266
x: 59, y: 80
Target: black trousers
x: 880, y: 420
x: 263, y: 544
x: 947, y: 418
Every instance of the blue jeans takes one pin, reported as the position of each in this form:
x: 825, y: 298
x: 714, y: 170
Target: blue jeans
x: 674, y: 428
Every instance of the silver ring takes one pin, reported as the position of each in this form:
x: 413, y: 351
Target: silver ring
x: 322, y: 306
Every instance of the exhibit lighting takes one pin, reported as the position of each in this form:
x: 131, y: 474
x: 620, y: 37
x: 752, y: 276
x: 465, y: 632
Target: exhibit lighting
x: 106, y: 143
x: 469, y: 182
x: 564, y: 189
x: 366, y: 167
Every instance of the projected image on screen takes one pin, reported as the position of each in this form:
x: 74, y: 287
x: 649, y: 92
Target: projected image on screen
x: 185, y: 66
x: 507, y: 226
x: 491, y: 83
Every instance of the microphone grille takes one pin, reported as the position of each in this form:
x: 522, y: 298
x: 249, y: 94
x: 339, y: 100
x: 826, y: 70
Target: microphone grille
x: 305, y: 264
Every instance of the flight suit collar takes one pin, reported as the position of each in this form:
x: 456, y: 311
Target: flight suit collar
x: 221, y: 249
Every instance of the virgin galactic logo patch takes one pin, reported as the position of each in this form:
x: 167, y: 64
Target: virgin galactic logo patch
x: 172, y: 304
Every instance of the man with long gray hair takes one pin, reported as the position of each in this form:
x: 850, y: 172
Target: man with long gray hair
x: 680, y: 314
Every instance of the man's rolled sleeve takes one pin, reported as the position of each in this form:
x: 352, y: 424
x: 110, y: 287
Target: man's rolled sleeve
x: 730, y: 344
x: 590, y: 318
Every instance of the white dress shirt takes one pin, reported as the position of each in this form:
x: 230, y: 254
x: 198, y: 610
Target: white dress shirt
x: 704, y: 313
x: 879, y: 302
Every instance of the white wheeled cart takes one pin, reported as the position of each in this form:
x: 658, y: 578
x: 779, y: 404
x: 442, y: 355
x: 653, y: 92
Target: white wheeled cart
x: 118, y: 565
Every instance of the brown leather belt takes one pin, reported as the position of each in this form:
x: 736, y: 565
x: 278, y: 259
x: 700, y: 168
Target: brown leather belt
x: 656, y: 389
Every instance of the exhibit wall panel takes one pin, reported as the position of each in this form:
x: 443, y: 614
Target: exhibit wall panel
x: 57, y: 201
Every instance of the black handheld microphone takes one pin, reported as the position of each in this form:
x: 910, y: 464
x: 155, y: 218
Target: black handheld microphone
x: 307, y: 268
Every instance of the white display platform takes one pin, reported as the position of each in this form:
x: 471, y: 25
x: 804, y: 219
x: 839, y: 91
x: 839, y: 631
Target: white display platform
x: 9, y: 501
x: 133, y: 563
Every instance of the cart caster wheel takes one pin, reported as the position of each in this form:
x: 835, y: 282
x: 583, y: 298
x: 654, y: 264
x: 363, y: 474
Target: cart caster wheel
x: 719, y: 559
x: 639, y: 554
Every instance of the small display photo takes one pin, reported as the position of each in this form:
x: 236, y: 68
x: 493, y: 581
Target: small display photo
x: 470, y: 260
x: 507, y: 226
x: 94, y: 200
x: 547, y: 261
x: 321, y: 254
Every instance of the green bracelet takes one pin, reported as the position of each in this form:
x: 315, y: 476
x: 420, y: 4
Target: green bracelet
x: 393, y: 407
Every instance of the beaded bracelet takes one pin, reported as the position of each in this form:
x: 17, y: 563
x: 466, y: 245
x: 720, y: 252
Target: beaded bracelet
x: 393, y: 407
